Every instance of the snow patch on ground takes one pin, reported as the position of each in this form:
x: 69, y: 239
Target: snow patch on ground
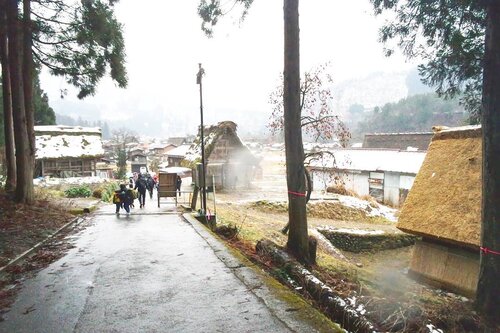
x: 360, y: 308
x: 355, y: 231
x: 433, y: 329
x: 380, y: 210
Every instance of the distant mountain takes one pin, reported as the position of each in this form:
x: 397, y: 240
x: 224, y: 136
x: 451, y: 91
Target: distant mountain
x: 377, y: 89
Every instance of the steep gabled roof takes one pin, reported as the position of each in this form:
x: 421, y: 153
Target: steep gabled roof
x: 225, y: 130
x: 445, y: 200
x: 67, y: 142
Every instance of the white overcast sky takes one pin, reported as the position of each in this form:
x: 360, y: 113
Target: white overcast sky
x: 164, y: 45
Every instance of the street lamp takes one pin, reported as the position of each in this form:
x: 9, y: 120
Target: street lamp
x: 199, y: 77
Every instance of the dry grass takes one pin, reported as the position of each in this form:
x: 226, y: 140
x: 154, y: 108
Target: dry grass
x: 330, y: 210
x: 393, y: 301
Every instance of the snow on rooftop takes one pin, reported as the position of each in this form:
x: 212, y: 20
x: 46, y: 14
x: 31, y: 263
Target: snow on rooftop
x: 372, y: 160
x: 179, y: 151
x: 67, y: 129
x: 67, y: 145
x: 442, y: 129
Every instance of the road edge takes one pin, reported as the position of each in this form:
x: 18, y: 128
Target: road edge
x: 288, y: 307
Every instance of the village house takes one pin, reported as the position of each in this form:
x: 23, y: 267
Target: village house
x: 444, y: 208
x: 67, y: 151
x: 137, y: 160
x: 230, y: 164
x: 161, y: 149
x: 386, y: 175
x: 177, y: 155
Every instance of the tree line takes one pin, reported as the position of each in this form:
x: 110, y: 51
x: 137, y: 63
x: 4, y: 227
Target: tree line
x: 417, y: 113
x: 79, y: 40
x: 70, y: 121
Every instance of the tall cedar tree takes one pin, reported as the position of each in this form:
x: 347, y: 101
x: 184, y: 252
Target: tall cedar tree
x: 78, y: 40
x: 24, y: 163
x: 8, y: 125
x: 210, y: 12
x: 488, y: 288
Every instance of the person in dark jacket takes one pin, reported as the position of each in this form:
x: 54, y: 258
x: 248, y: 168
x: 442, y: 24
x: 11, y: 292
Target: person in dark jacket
x: 150, y: 184
x: 123, y: 198
x: 141, y: 187
x: 178, y: 185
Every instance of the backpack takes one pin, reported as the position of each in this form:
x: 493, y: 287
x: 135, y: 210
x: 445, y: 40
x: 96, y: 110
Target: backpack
x: 116, y: 198
x: 123, y: 196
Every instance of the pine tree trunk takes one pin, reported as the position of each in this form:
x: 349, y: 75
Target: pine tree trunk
x: 28, y: 97
x: 10, y: 158
x: 297, y: 236
x: 24, y: 180
x: 488, y: 289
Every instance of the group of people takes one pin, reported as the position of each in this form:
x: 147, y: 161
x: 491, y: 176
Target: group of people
x: 125, y: 196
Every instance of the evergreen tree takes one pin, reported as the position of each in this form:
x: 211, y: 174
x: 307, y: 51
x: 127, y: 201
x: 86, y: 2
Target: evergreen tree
x: 449, y: 36
x: 78, y: 41
x: 121, y: 163
x: 416, y: 113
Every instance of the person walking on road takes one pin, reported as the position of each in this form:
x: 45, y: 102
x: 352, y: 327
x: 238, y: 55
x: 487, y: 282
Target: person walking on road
x: 150, y: 184
x: 123, y: 198
x: 141, y: 187
x: 178, y: 184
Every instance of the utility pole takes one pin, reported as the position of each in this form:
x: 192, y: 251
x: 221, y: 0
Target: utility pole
x: 199, y: 77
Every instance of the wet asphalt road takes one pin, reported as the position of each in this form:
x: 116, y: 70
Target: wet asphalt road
x: 149, y: 272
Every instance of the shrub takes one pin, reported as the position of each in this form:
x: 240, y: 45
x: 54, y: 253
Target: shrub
x: 82, y: 191
x: 107, y: 191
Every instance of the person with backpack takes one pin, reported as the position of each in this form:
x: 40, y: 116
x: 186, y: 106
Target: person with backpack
x: 123, y: 198
x: 141, y: 187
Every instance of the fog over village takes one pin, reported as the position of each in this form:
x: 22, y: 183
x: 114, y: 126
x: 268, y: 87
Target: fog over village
x: 250, y: 166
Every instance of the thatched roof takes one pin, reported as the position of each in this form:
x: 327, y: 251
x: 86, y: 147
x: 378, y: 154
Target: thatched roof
x: 225, y: 130
x: 445, y: 200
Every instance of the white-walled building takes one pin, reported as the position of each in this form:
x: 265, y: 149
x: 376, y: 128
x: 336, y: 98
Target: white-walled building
x: 386, y: 175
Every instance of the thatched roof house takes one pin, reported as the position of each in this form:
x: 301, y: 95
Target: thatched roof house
x: 444, y: 207
x: 228, y: 159
x: 66, y: 151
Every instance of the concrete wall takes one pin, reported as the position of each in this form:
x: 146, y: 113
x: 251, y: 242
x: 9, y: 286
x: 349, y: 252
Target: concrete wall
x: 360, y: 183
x: 356, y: 182
x: 448, y: 267
x: 391, y: 189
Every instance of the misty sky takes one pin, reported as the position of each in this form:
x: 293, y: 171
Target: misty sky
x: 164, y: 44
